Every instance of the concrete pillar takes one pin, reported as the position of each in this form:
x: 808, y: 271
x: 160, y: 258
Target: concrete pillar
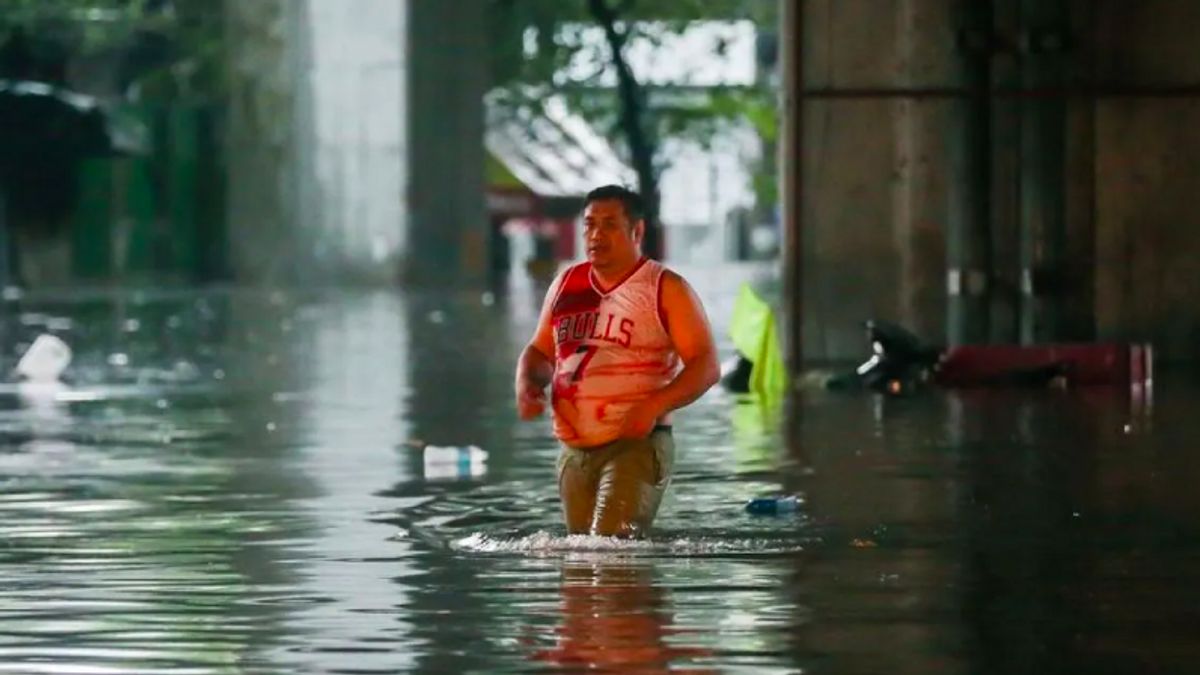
x: 919, y: 185
x: 1005, y: 150
x: 1146, y: 173
x: 849, y: 255
x: 1079, y: 256
x: 791, y: 177
x: 259, y: 144
x: 1045, y: 283
x: 356, y: 141
x: 970, y: 274
x: 1090, y: 193
x: 447, y: 77
x: 871, y: 187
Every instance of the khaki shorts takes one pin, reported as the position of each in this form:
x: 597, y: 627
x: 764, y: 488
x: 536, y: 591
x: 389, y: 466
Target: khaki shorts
x: 615, y: 489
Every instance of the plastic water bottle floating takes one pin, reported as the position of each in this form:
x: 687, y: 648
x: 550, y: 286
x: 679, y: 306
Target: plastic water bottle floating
x: 45, y: 360
x: 453, y: 461
x: 769, y: 506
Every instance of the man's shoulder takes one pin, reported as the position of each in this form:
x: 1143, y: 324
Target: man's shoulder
x: 564, y: 273
x: 674, y: 290
x: 668, y: 276
x: 664, y: 268
x: 569, y: 279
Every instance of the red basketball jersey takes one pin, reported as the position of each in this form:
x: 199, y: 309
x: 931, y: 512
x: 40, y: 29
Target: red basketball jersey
x: 611, y: 350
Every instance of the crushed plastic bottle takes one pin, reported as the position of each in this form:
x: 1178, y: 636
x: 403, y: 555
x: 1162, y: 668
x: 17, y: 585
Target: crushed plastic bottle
x: 40, y: 388
x: 45, y: 360
x: 771, y: 506
x: 455, y: 461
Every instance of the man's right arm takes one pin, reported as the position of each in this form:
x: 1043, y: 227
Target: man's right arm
x: 535, y: 366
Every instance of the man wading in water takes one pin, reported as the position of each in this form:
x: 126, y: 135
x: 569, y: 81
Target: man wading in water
x: 622, y: 341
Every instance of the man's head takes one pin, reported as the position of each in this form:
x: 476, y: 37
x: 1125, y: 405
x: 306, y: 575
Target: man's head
x: 613, y: 227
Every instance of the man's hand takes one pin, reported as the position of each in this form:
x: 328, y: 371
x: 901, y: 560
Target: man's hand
x: 535, y: 366
x: 531, y: 400
x: 640, y: 420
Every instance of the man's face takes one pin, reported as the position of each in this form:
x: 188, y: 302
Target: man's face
x: 611, y: 240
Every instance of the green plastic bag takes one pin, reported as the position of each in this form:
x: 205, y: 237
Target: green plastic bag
x: 755, y: 336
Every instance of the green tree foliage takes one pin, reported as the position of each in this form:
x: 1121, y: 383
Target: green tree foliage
x: 534, y: 42
x: 163, y: 49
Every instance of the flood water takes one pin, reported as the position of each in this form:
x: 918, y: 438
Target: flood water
x: 231, y: 481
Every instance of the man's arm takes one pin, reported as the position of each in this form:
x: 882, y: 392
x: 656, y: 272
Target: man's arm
x: 692, y: 338
x: 535, y: 366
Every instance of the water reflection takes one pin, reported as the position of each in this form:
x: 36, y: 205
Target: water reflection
x: 461, y: 382
x: 129, y: 525
x: 1021, y: 502
x: 616, y: 618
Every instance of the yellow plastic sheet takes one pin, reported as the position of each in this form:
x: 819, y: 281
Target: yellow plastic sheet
x: 755, y: 336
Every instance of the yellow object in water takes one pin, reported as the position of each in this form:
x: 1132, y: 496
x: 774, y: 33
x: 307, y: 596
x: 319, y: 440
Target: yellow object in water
x: 756, y: 338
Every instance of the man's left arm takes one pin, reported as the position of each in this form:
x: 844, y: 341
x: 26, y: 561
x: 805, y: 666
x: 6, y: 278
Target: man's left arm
x: 692, y: 338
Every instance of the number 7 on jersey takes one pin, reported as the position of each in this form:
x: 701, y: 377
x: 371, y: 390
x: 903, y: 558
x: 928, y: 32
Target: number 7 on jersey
x: 574, y: 364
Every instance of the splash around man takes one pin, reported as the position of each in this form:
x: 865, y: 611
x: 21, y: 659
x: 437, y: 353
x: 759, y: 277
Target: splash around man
x: 621, y: 341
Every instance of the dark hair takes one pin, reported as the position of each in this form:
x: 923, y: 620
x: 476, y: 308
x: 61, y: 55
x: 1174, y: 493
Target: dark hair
x: 630, y: 200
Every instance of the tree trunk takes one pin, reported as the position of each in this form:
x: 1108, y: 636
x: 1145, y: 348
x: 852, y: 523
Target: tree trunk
x: 640, y: 140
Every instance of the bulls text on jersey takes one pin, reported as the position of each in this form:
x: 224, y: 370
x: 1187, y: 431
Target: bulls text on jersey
x: 605, y: 326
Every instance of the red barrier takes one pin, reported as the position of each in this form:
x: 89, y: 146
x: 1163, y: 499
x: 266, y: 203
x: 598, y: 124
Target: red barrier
x: 1080, y: 364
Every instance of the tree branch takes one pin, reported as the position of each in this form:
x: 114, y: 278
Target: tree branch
x: 641, y: 143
